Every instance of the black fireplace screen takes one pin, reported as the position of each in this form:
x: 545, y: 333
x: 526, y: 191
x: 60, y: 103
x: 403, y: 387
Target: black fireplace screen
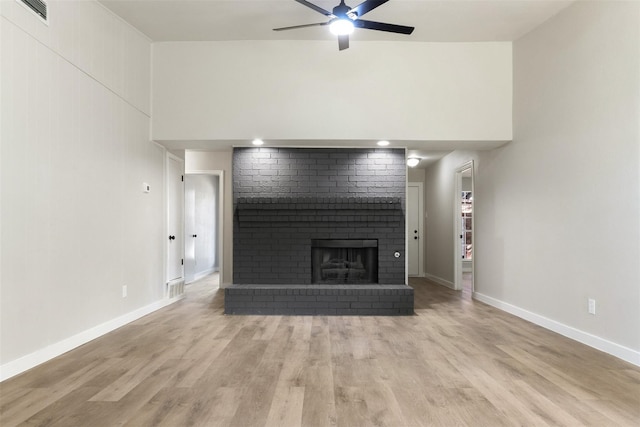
x: 347, y: 261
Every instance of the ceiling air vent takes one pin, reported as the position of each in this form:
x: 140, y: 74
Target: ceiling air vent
x: 37, y: 6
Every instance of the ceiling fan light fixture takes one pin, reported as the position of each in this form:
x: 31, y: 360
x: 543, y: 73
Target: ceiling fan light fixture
x: 341, y: 27
x: 412, y: 162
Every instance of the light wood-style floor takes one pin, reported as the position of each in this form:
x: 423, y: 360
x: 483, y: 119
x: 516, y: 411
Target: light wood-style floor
x: 455, y: 363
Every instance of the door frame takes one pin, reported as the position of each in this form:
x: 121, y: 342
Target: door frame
x: 457, y: 256
x: 220, y: 231
x: 420, y: 186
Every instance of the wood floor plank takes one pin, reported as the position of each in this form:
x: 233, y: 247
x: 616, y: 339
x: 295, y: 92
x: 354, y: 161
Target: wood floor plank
x: 319, y: 405
x: 130, y: 379
x: 553, y: 414
x: 202, y: 362
x: 286, y: 407
x: 457, y: 362
x: 53, y: 414
x: 569, y: 384
x: 257, y: 394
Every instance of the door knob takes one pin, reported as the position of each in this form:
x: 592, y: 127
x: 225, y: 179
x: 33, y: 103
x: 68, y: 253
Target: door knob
x: 415, y: 231
x: 172, y: 237
x: 195, y: 235
x: 416, y: 237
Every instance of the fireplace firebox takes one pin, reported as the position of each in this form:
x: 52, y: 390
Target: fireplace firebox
x: 344, y: 261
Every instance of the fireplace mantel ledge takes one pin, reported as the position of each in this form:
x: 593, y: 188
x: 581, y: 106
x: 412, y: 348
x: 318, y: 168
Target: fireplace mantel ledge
x: 333, y: 203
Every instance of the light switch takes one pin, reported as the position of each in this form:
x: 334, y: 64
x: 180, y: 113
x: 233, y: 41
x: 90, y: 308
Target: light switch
x: 146, y: 188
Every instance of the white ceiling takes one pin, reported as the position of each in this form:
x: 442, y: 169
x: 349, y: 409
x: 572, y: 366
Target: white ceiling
x: 434, y: 21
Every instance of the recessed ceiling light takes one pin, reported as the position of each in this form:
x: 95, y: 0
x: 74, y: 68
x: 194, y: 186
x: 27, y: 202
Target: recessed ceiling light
x: 412, y: 162
x: 257, y: 142
x: 383, y: 143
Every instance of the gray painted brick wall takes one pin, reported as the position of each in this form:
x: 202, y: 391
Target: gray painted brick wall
x: 285, y: 197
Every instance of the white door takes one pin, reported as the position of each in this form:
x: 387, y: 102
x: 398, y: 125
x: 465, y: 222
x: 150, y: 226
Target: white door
x: 175, y: 200
x: 414, y: 226
x: 189, y: 230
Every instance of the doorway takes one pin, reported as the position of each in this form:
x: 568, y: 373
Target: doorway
x: 415, y: 209
x: 201, y: 200
x: 464, y: 229
x: 204, y: 219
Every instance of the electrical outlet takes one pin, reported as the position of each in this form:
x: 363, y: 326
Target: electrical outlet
x: 592, y: 306
x: 124, y: 291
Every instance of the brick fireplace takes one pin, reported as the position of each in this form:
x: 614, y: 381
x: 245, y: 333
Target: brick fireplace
x: 319, y: 231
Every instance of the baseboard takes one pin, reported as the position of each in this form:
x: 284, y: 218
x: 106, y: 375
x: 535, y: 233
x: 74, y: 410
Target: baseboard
x: 440, y: 281
x: 617, y: 350
x: 45, y: 354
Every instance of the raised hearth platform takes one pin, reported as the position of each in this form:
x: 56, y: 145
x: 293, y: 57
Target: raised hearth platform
x: 322, y: 300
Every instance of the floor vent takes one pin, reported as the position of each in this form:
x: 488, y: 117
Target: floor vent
x: 39, y: 7
x: 175, y: 288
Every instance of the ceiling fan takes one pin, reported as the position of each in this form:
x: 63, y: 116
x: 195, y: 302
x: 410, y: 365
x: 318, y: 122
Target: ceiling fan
x: 343, y: 19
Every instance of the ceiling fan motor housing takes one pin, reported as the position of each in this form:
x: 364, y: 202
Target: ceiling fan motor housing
x: 341, y: 11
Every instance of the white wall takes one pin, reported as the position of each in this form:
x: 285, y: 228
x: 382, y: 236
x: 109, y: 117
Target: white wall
x: 558, y: 209
x: 415, y: 175
x: 199, y: 161
x: 201, y: 219
x: 309, y: 91
x: 75, y: 150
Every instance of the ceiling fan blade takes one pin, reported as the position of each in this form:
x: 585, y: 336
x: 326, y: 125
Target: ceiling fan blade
x: 316, y: 8
x: 343, y: 42
x: 367, y: 6
x: 381, y: 26
x: 301, y: 26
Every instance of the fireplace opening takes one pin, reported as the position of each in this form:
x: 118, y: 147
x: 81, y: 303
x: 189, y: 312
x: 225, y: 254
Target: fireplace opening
x: 347, y: 261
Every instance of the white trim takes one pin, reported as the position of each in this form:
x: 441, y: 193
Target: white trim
x: 440, y: 281
x: 457, y: 209
x: 617, y: 350
x: 406, y: 223
x: 47, y: 353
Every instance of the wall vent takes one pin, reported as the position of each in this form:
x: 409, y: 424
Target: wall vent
x: 175, y: 288
x: 39, y: 7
